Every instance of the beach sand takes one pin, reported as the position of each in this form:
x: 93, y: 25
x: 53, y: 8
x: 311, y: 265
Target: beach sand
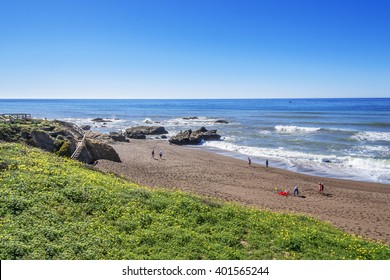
x: 360, y: 208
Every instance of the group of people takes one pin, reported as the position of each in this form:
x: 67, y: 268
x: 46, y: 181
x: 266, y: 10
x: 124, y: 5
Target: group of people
x: 250, y: 162
x: 161, y: 154
x: 296, y: 190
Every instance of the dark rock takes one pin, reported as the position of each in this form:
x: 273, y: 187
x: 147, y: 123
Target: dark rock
x: 42, y: 140
x: 97, y: 136
x: 118, y: 137
x: 85, y: 127
x: 100, y: 150
x: 100, y: 120
x: 190, y: 118
x: 164, y: 137
x: 190, y: 137
x: 221, y: 121
x: 140, y: 132
x: 85, y: 156
x: 47, y: 128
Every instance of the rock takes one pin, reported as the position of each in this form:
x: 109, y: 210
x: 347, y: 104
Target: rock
x: 100, y: 120
x: 164, y: 137
x: 118, y: 137
x: 190, y: 137
x: 85, y: 127
x: 140, y: 132
x: 97, y: 136
x: 85, y: 156
x: 99, y: 150
x: 148, y: 121
x: 221, y: 121
x: 42, y: 140
x: 47, y: 128
x: 137, y: 134
x: 190, y: 118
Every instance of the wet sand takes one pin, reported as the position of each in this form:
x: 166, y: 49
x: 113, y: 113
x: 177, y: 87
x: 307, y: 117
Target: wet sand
x: 361, y: 208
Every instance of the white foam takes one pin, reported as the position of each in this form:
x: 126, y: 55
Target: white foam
x: 372, y: 136
x: 264, y: 132
x: 348, y: 166
x: 292, y: 129
x: 199, y: 121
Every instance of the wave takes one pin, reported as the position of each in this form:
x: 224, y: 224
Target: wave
x: 372, y: 136
x: 368, y: 169
x: 292, y: 129
x: 194, y: 121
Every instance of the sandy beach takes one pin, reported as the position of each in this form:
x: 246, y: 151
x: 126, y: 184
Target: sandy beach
x: 360, y: 208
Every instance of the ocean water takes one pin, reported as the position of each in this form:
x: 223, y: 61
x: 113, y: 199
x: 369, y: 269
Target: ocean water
x: 342, y: 138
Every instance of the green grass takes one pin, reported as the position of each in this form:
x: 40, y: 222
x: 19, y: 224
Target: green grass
x: 55, y: 208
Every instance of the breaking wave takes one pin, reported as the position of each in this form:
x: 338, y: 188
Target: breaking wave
x: 291, y: 129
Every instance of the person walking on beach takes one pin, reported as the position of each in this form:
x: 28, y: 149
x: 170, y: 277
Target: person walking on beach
x: 249, y: 161
x: 321, y: 187
x: 152, y: 153
x: 296, y: 191
x: 266, y: 163
x: 161, y: 154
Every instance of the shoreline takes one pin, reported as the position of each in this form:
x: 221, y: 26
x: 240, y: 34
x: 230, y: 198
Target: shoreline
x: 357, y: 207
x: 281, y: 165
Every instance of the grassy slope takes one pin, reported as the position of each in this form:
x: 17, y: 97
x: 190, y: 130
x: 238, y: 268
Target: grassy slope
x: 54, y: 208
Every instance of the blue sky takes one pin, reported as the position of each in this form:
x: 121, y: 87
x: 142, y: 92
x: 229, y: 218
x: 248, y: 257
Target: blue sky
x: 194, y: 49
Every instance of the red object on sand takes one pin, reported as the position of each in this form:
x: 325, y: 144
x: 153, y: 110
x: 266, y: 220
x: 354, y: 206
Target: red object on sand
x: 283, y: 193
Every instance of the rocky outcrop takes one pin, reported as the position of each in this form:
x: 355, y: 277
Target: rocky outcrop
x: 98, y: 136
x: 140, y: 132
x: 118, y: 137
x: 221, y: 121
x: 100, y: 150
x: 190, y: 137
x: 85, y: 127
x: 190, y: 118
x: 101, y: 120
x: 42, y: 140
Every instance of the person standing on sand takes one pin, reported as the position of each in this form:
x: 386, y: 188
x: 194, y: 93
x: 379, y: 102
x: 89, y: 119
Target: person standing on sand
x: 321, y: 187
x: 161, y: 154
x: 152, y: 153
x: 249, y: 161
x: 266, y: 163
x: 296, y: 191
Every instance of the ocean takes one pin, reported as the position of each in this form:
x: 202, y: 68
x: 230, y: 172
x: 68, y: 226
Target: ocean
x: 340, y: 138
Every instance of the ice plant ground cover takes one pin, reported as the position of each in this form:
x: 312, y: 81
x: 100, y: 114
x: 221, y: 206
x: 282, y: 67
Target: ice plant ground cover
x: 55, y: 208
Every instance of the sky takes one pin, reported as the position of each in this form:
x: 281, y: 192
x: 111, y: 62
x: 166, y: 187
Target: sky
x: 194, y: 49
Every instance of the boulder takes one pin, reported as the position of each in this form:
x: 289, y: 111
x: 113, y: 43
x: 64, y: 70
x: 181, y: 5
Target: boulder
x: 100, y: 120
x: 189, y: 137
x: 221, y: 121
x: 42, y: 140
x: 118, y: 137
x: 97, y: 136
x: 85, y: 127
x: 99, y: 150
x: 140, y: 132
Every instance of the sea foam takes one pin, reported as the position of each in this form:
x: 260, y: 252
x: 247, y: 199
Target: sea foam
x: 292, y: 129
x: 372, y: 136
x: 336, y: 166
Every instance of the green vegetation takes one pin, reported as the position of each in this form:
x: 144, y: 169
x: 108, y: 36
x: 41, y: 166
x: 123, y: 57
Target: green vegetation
x: 55, y: 208
x: 19, y: 129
